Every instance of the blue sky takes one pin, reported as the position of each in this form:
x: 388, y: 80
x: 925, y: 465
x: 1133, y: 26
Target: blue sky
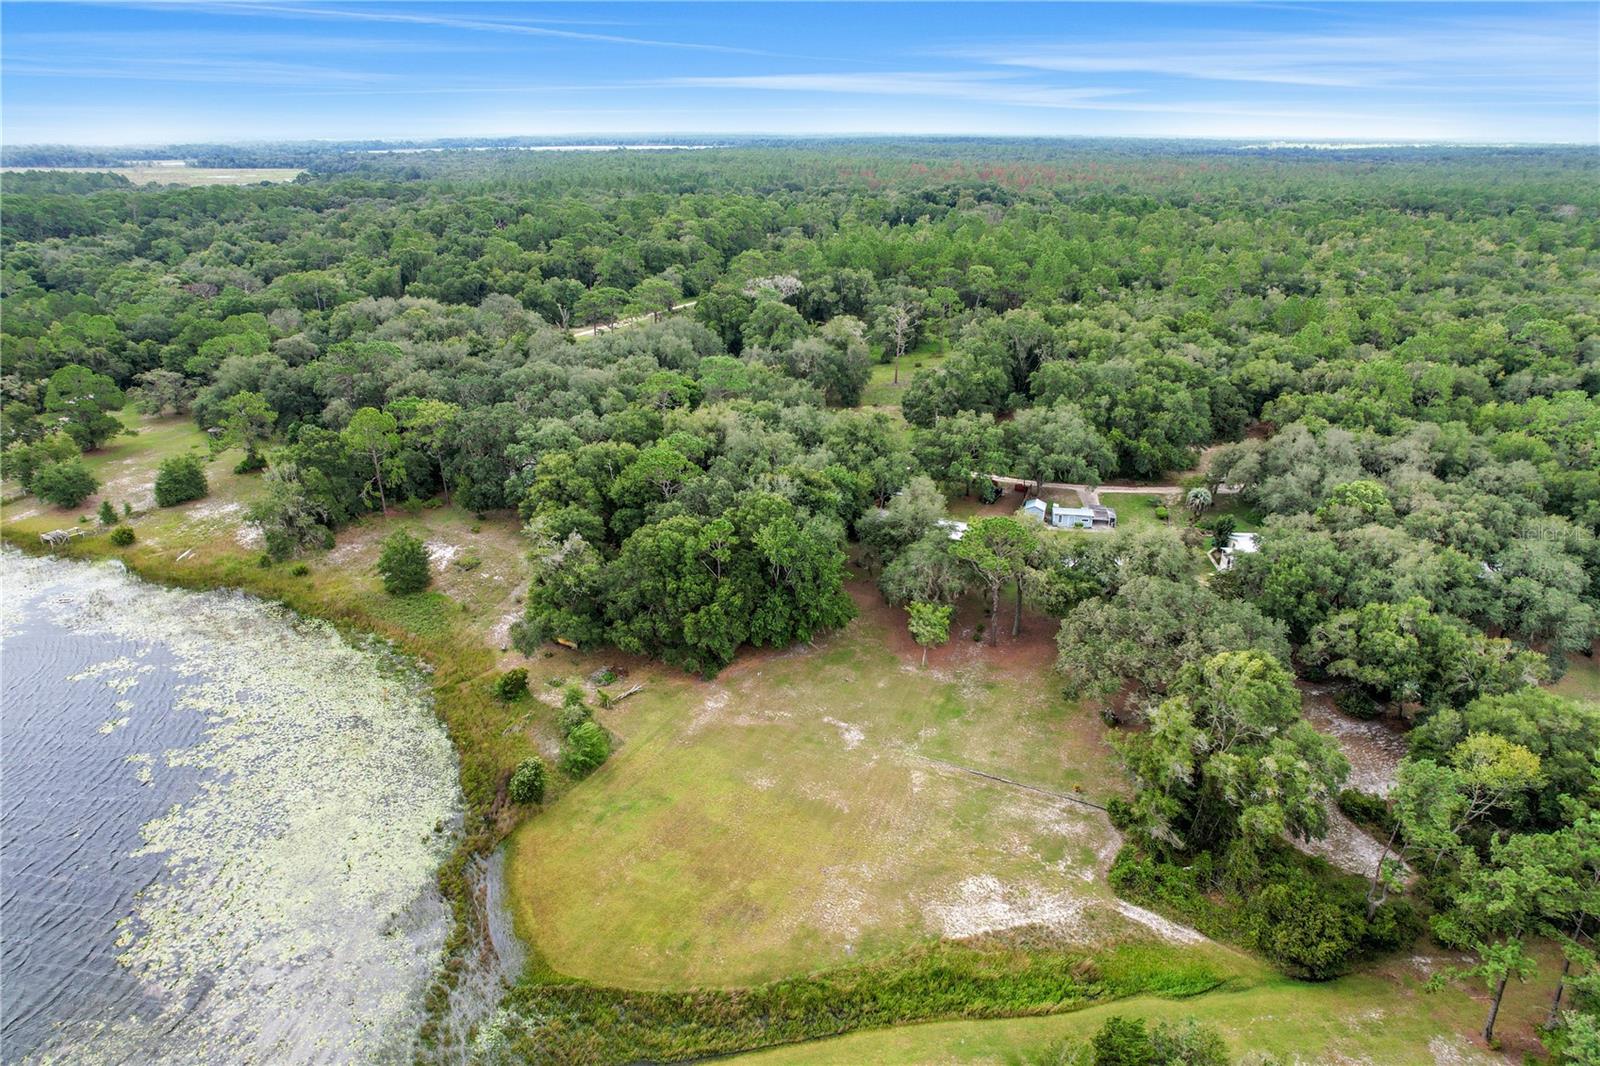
x: 273, y: 69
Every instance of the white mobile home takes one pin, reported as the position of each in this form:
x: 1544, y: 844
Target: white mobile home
x: 1070, y: 517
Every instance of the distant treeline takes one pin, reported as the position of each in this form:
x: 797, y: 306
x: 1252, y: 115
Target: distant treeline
x: 389, y: 155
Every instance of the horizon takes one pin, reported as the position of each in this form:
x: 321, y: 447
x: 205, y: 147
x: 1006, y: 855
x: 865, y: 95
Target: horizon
x: 271, y: 71
x: 618, y: 140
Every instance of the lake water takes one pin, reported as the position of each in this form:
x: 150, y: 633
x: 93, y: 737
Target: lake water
x: 220, y: 826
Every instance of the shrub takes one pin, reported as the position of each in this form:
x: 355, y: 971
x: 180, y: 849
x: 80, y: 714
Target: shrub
x: 587, y: 747
x: 122, y: 536
x: 179, y: 480
x: 299, y: 570
x: 1304, y: 931
x: 65, y: 484
x: 1357, y: 703
x: 108, y: 514
x: 572, y: 716
x: 404, y: 564
x: 511, y: 684
x: 1188, y: 1043
x: 1122, y: 1042
x: 250, y: 464
x: 1394, y: 925
x: 527, y: 783
x: 1366, y: 809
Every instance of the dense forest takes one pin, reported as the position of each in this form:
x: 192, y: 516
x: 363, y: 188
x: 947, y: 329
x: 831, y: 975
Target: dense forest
x: 1391, y: 358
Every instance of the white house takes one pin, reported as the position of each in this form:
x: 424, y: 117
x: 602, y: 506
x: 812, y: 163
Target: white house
x: 1070, y: 517
x: 1238, y: 544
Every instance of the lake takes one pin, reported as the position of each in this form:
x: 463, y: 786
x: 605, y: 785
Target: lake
x: 220, y: 826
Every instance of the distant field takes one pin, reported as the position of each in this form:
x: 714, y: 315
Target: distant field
x: 185, y: 175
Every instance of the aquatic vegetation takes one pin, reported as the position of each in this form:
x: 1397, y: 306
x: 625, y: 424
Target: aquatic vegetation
x: 296, y: 917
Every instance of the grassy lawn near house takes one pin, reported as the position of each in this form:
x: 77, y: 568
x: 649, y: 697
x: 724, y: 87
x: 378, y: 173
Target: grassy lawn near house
x: 1137, y: 511
x: 1246, y: 518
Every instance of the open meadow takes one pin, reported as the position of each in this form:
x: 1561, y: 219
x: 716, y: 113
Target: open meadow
x: 183, y: 175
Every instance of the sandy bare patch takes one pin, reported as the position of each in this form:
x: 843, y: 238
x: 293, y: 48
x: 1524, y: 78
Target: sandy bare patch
x: 850, y: 735
x: 1450, y: 1051
x: 841, y: 908
x: 1373, y: 747
x: 207, y: 512
x: 1347, y: 846
x: 1168, y: 930
x: 500, y: 635
x: 985, y: 904
x: 441, y: 554
x: 709, y: 711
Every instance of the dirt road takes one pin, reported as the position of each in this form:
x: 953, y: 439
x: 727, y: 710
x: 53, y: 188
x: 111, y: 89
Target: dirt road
x: 591, y: 331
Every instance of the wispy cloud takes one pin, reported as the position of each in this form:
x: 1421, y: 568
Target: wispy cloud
x: 522, y: 27
x: 988, y: 86
x: 179, y: 42
x: 1517, y: 54
x: 994, y: 88
x: 208, y: 70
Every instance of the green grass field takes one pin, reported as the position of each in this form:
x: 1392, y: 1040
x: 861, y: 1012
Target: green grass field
x: 1136, y: 511
x: 809, y: 808
x: 1385, y: 1019
x: 881, y: 390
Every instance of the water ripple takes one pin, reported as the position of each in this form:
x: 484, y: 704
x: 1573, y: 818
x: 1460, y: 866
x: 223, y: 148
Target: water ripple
x: 219, y: 826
